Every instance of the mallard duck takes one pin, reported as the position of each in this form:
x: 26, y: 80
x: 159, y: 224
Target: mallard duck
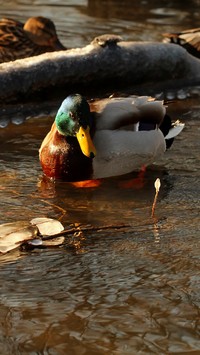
x: 105, y: 138
x: 189, y: 39
x: 18, y: 40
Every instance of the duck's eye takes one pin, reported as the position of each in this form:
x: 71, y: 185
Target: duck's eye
x: 72, y: 115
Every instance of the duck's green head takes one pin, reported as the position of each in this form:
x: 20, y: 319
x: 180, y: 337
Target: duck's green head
x: 74, y: 119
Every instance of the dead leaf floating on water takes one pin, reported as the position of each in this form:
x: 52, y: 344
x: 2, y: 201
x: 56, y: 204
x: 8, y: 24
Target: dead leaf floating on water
x: 12, y: 235
x: 47, y: 226
x: 15, y: 233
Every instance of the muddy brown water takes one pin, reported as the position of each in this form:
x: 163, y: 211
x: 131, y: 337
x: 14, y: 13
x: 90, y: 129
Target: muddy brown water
x: 130, y: 291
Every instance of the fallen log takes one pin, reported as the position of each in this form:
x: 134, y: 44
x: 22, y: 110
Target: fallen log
x: 106, y: 61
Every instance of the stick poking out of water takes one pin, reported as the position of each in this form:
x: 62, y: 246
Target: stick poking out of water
x: 157, y: 185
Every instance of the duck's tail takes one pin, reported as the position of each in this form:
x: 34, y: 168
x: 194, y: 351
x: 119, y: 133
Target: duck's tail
x: 170, y: 130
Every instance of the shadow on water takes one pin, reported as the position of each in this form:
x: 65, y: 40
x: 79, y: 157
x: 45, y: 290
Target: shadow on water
x: 129, y: 291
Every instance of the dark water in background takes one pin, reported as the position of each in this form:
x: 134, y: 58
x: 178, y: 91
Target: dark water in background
x: 79, y: 21
x: 135, y: 291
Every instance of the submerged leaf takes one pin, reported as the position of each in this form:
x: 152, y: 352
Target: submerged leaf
x: 35, y: 242
x: 54, y: 242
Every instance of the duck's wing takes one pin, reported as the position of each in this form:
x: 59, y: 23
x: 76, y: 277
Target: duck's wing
x: 120, y: 152
x: 127, y: 113
x: 175, y: 129
x: 185, y: 38
x: 10, y: 22
x: 191, y: 37
x: 14, y: 42
x: 10, y: 30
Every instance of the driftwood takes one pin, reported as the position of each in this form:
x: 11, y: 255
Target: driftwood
x: 106, y: 61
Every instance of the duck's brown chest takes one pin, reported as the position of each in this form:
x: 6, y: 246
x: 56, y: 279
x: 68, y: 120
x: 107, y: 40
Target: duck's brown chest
x: 65, y: 161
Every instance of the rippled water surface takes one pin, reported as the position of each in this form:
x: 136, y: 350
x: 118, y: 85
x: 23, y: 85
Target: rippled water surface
x: 134, y: 290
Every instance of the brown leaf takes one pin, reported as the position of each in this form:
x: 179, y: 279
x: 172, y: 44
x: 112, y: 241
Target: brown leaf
x: 15, y: 233
x: 47, y: 226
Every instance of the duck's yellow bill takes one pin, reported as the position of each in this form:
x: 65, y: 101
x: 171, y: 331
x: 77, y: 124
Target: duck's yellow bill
x: 85, y: 142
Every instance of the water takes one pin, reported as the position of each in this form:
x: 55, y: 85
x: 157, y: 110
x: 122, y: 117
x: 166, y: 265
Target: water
x: 119, y: 291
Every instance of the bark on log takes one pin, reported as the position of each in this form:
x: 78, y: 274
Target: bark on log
x: 107, y: 60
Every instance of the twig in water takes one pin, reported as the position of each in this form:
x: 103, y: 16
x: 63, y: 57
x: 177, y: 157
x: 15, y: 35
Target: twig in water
x: 73, y: 230
x: 157, y: 185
